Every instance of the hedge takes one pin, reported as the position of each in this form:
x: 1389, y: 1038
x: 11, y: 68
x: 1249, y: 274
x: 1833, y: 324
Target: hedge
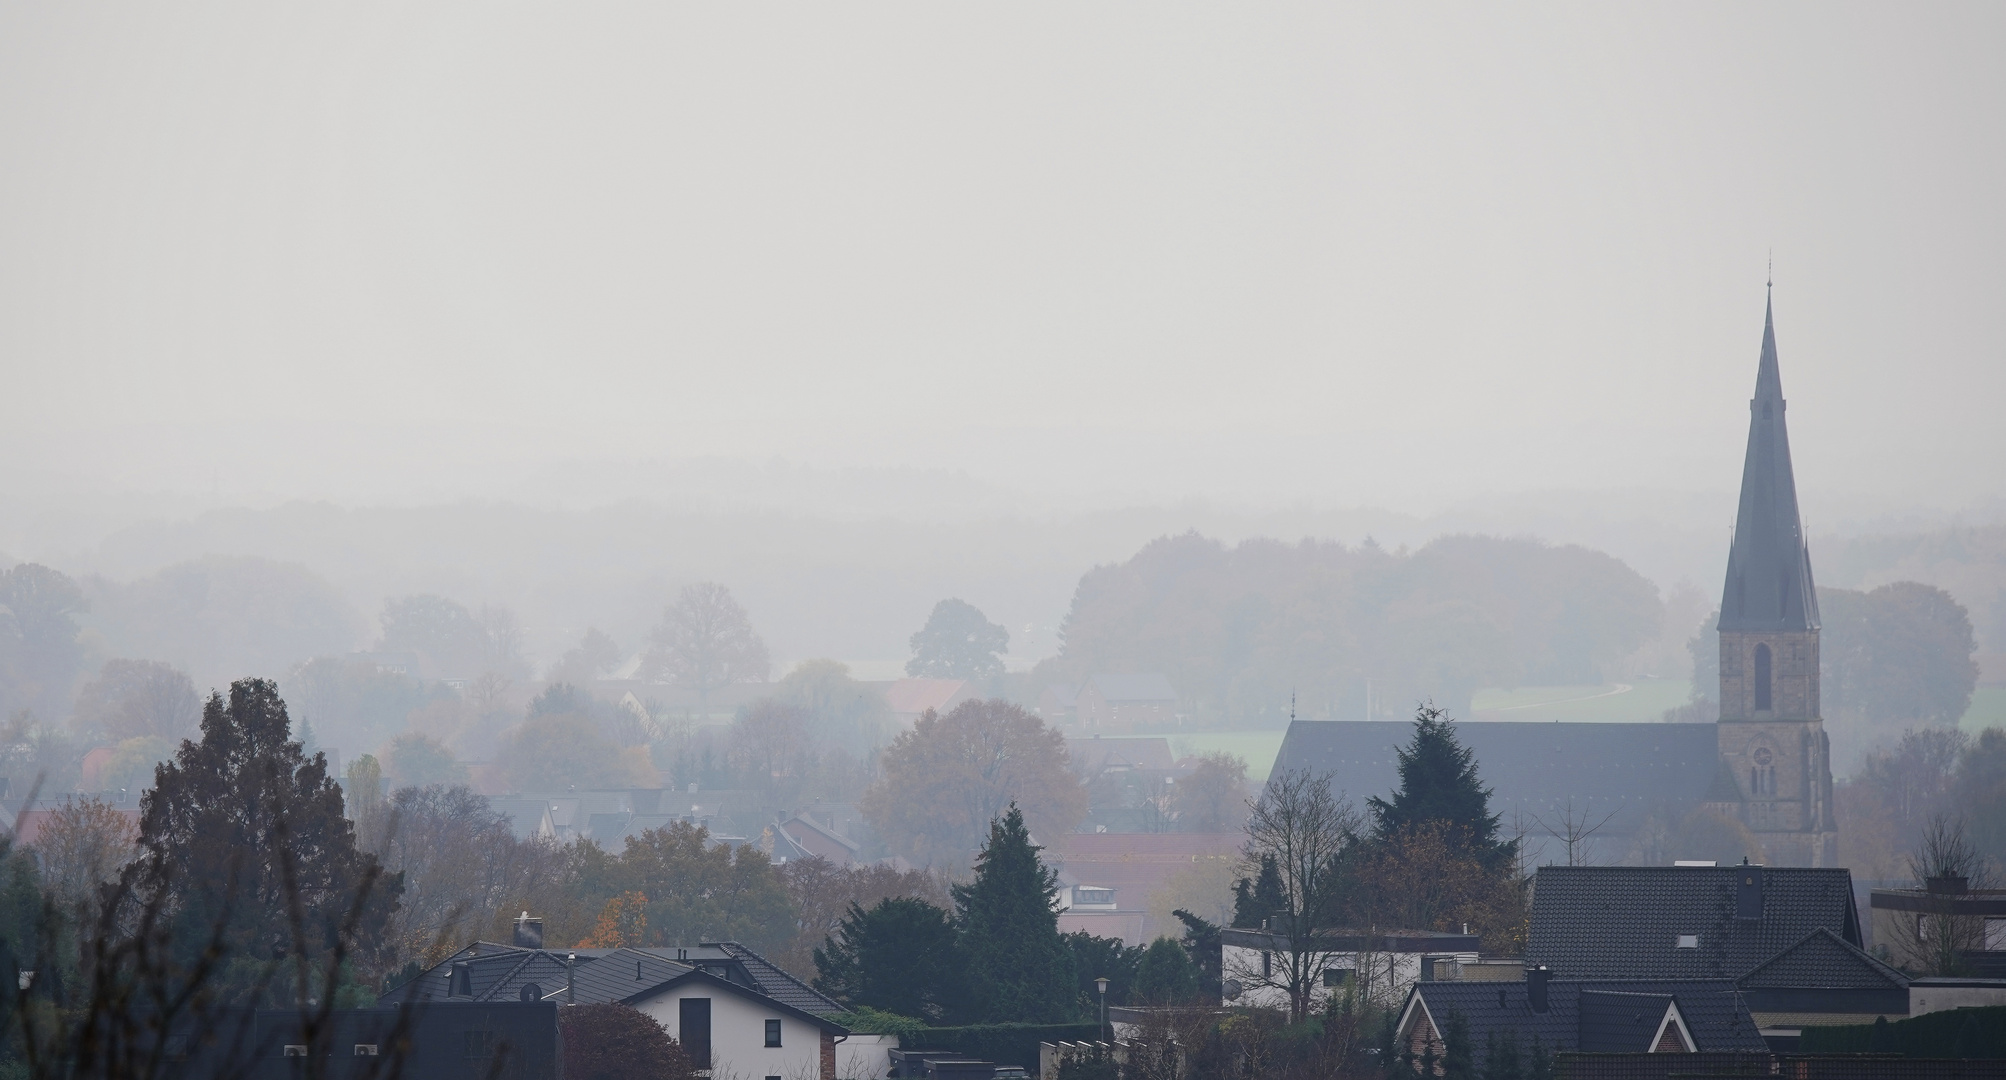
x: 1004, y: 1044
x: 1952, y: 1033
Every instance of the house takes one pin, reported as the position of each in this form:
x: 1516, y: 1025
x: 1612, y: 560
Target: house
x: 1381, y: 964
x: 1787, y: 938
x: 1110, y: 881
x: 1905, y: 924
x: 911, y: 699
x: 1126, y: 703
x: 1095, y: 755
x: 732, y: 1010
x: 802, y: 837
x: 1595, y: 1016
x: 1056, y: 704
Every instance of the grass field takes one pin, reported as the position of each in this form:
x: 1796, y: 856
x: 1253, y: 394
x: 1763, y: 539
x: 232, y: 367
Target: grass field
x: 1615, y: 703
x: 1988, y: 709
x: 1256, y: 748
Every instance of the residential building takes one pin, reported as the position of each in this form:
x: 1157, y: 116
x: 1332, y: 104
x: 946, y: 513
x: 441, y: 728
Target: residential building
x: 1379, y: 964
x: 1766, y: 762
x: 732, y: 1010
x: 1787, y: 938
x: 1598, y: 1016
x: 1110, y: 882
x: 1910, y: 925
x: 1111, y: 703
x: 911, y: 699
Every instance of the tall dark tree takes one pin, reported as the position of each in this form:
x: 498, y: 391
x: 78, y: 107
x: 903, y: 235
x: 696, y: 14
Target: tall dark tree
x: 244, y: 845
x: 1018, y: 969
x: 1254, y: 899
x: 899, y: 955
x: 1439, y: 783
x: 1096, y: 957
x: 1202, y: 941
x: 1164, y: 975
x: 958, y: 642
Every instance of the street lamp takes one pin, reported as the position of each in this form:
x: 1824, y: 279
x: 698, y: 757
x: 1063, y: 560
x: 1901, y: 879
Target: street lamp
x: 1102, y: 983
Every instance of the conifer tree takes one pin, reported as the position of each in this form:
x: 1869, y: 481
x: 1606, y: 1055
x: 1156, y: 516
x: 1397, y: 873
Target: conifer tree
x: 244, y: 844
x: 1439, y: 783
x: 1259, y: 898
x: 1018, y: 968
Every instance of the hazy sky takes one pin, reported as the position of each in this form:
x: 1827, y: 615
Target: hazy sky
x: 1403, y: 254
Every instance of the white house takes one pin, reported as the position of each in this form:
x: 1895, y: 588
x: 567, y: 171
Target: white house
x: 1382, y: 965
x: 732, y: 1010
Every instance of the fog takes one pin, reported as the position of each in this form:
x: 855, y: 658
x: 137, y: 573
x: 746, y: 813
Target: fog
x: 854, y: 309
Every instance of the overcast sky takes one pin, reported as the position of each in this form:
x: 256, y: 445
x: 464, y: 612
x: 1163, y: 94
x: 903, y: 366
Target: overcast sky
x: 1399, y: 255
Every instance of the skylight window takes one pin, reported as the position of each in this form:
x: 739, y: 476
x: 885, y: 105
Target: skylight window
x: 1689, y: 941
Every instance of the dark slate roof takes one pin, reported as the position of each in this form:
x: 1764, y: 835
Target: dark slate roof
x: 1616, y: 1022
x: 500, y: 971
x: 778, y: 984
x: 1769, y: 584
x: 1823, y: 961
x: 1713, y: 1011
x: 1533, y: 769
x: 1600, y: 922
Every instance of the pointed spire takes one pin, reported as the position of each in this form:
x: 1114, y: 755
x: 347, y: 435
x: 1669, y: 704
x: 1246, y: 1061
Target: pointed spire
x: 1769, y: 584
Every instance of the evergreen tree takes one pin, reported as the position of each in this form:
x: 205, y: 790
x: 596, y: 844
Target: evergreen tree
x: 1165, y: 975
x: 1096, y: 957
x: 1538, y: 1063
x: 1438, y: 782
x: 1501, y: 1056
x: 1202, y: 942
x: 243, y: 843
x: 1457, y: 1058
x: 898, y: 956
x: 1018, y: 969
x: 1256, y: 900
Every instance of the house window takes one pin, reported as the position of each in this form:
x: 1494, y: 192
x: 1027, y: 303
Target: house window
x: 693, y: 1030
x: 1762, y: 678
x: 1336, y: 977
x: 1267, y: 963
x: 365, y: 1049
x: 773, y: 1033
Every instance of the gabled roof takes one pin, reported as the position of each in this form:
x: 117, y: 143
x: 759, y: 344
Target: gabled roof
x: 499, y: 972
x: 1600, y: 922
x: 1149, y: 686
x: 1711, y: 1010
x: 1619, y: 1022
x: 1823, y: 961
x: 1533, y: 769
x: 1769, y: 584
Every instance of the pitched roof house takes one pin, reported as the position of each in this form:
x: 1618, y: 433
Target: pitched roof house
x: 731, y: 1008
x: 1604, y: 1016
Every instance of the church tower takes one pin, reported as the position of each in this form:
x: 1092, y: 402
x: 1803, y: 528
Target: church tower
x: 1772, y: 740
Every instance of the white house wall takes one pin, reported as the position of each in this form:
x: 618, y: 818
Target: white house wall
x: 865, y: 1057
x: 1393, y: 975
x: 738, y: 1036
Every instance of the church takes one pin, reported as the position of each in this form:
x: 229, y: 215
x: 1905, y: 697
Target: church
x: 1766, y: 763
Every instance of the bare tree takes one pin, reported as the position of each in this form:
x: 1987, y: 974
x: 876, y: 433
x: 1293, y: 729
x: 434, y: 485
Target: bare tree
x: 1945, y: 865
x: 82, y: 847
x: 133, y: 699
x: 1308, y: 830
x: 705, y: 641
x: 1573, y: 829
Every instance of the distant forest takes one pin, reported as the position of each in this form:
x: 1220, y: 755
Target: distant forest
x: 1239, y: 629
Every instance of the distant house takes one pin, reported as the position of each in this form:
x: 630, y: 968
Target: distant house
x: 1093, y: 756
x: 911, y: 698
x: 733, y: 1011
x: 802, y: 837
x: 1901, y: 922
x: 1109, y: 880
x: 1612, y: 1017
x: 1126, y: 703
x: 1057, y: 704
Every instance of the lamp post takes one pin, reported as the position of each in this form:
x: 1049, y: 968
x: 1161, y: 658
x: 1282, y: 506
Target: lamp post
x: 1102, y: 983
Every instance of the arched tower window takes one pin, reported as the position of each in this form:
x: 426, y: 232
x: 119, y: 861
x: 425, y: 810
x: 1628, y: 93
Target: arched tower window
x: 1762, y: 678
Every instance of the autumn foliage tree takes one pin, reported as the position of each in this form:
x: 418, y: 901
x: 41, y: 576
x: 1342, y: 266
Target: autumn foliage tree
x: 943, y: 782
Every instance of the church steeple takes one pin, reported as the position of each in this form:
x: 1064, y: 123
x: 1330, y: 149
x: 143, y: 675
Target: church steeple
x: 1769, y: 585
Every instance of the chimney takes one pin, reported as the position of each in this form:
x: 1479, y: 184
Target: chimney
x: 571, y: 978
x: 1535, y: 987
x: 1748, y: 892
x: 528, y: 932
